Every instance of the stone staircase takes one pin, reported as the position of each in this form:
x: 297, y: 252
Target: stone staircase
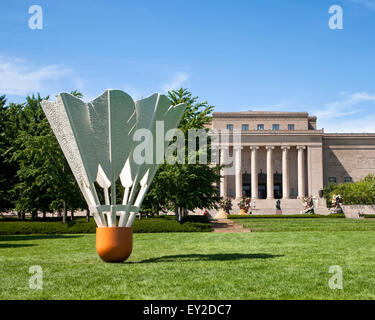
x: 265, y: 206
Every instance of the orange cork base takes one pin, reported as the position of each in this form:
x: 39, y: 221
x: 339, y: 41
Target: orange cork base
x: 114, y: 244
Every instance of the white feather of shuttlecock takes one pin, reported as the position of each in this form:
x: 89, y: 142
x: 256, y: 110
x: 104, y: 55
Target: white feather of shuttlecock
x: 97, y: 140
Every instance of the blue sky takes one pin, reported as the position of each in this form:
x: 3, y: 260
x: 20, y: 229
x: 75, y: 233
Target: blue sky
x: 238, y: 55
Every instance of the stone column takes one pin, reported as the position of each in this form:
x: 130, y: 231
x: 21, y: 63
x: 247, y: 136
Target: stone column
x: 285, y: 173
x: 223, y: 179
x: 238, y: 172
x: 270, y: 172
x: 254, y: 173
x: 301, y: 172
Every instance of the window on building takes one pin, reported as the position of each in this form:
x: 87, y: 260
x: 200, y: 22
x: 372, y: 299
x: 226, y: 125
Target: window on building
x: 332, y: 179
x: 260, y: 127
x: 245, y: 127
x: 290, y: 126
x: 275, y: 127
x: 230, y: 127
x: 348, y: 179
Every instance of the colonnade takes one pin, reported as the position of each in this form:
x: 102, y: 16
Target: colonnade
x: 237, y: 150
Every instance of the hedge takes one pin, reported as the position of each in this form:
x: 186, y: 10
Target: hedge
x: 79, y: 225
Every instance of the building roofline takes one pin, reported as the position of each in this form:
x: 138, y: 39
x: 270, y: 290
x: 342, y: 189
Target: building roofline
x: 261, y: 114
x: 349, y: 135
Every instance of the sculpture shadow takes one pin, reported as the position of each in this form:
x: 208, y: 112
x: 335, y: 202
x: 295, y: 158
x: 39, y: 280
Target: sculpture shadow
x: 13, y: 245
x: 35, y: 237
x: 210, y: 257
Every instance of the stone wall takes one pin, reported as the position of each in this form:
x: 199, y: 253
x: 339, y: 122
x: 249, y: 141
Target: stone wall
x: 353, y: 211
x: 348, y: 155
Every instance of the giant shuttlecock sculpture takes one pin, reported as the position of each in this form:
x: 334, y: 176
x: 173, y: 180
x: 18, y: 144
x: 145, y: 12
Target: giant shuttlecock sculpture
x: 97, y: 139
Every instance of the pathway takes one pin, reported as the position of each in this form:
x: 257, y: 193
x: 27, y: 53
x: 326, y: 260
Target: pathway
x: 226, y: 225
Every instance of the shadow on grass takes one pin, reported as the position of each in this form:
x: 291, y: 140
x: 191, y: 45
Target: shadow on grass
x: 12, y: 245
x: 211, y: 257
x: 36, y: 237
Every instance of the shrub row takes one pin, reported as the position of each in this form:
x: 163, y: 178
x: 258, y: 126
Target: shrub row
x: 79, y: 225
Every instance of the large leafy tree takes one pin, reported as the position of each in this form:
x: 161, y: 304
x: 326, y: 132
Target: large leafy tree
x: 9, y: 130
x: 45, y: 182
x: 182, y: 187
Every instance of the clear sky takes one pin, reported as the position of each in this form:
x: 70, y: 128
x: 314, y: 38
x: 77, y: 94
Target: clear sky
x: 276, y: 55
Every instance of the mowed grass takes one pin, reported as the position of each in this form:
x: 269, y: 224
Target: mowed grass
x: 257, y: 265
x: 284, y: 224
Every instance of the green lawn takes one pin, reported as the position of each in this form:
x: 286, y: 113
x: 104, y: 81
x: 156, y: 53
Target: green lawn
x: 284, y: 223
x: 257, y: 265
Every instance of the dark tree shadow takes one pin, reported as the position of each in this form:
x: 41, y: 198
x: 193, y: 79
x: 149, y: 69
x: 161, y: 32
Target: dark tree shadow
x: 12, y: 245
x: 36, y: 237
x: 210, y: 257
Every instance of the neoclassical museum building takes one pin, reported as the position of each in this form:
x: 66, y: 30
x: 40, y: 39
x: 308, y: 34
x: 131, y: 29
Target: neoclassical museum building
x: 282, y: 155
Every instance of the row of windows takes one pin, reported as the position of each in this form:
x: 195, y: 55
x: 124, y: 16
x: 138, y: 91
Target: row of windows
x: 260, y: 127
x: 346, y: 179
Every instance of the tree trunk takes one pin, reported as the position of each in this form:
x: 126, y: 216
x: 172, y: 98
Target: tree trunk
x: 34, y: 215
x: 71, y: 215
x: 176, y: 212
x: 87, y: 215
x: 65, y: 212
x: 180, y: 214
x: 44, y: 215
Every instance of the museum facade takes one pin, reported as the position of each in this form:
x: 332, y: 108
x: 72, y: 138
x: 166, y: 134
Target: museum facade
x: 282, y: 155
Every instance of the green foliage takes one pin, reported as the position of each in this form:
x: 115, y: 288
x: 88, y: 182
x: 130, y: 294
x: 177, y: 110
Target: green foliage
x: 327, y: 191
x: 182, y: 187
x: 79, y: 225
x: 37, y: 175
x: 195, y: 218
x: 361, y: 192
x: 196, y: 115
x: 9, y: 128
x: 226, y: 204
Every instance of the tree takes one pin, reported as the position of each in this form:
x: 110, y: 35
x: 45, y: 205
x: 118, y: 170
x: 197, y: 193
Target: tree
x: 182, y: 187
x: 46, y: 182
x: 9, y: 128
x: 360, y: 192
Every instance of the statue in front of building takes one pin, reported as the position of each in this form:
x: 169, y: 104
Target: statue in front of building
x: 278, y: 207
x: 308, y: 205
x: 244, y: 205
x: 336, y: 204
x: 225, y: 207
